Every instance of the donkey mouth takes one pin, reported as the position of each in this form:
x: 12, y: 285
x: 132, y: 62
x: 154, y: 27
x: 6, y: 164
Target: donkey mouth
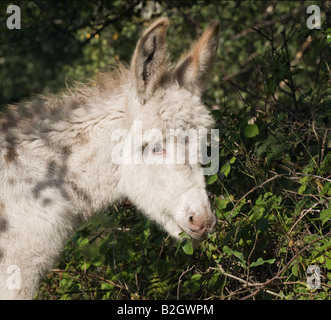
x: 200, y: 232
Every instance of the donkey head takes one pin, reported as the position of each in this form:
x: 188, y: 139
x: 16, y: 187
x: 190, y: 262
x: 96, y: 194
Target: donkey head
x: 164, y: 105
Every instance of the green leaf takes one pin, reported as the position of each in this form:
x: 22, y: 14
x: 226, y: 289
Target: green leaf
x: 325, y: 215
x: 212, y: 179
x: 250, y: 131
x: 237, y: 254
x: 195, y: 286
x: 258, y: 214
x: 196, y: 277
x: 295, y: 268
x: 81, y: 242
x: 188, y: 248
x: 183, y: 235
x: 97, y: 261
x: 328, y: 261
x: 225, y: 169
x: 106, y: 286
x: 302, y: 189
x: 85, y: 266
x: 63, y: 282
x: 260, y: 262
x: 221, y: 203
x: 232, y: 160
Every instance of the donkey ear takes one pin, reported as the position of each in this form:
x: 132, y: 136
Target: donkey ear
x: 193, y: 71
x: 148, y: 62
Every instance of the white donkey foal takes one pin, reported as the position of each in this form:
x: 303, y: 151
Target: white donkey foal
x: 57, y: 163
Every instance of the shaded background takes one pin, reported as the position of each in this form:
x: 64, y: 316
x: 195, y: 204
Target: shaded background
x: 270, y: 94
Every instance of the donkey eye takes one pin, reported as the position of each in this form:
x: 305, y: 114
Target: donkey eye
x: 158, y: 150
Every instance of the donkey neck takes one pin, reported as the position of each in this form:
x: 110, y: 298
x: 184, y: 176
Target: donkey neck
x: 67, y: 140
x: 55, y: 171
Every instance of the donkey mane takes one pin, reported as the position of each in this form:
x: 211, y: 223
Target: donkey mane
x: 76, y: 106
x: 42, y: 111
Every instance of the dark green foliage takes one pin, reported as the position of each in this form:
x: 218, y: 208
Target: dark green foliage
x: 270, y: 94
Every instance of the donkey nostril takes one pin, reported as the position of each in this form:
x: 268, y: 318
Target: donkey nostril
x: 195, y: 224
x: 191, y: 221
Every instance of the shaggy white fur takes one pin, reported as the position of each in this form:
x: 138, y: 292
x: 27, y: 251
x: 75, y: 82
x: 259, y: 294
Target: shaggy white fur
x: 56, y: 167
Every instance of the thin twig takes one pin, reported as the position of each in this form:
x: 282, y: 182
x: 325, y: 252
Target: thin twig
x: 323, y: 145
x: 290, y: 78
x: 311, y: 175
x: 247, y: 283
x: 180, y: 279
x: 303, y: 213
